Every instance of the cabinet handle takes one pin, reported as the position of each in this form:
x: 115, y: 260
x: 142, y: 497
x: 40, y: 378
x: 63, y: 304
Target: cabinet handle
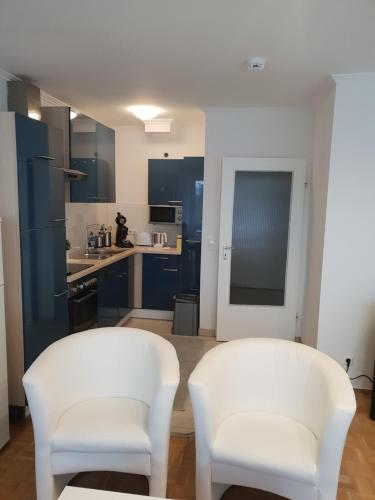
x: 161, y: 258
x: 174, y: 201
x: 171, y: 270
x: 192, y: 241
x: 56, y: 295
x: 58, y: 220
x: 42, y: 157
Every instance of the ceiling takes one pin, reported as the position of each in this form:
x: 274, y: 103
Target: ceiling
x: 183, y: 55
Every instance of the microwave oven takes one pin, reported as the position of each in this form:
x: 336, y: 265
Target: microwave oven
x: 165, y: 214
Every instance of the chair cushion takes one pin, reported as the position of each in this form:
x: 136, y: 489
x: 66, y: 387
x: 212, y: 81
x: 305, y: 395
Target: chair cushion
x: 103, y: 425
x: 269, y: 443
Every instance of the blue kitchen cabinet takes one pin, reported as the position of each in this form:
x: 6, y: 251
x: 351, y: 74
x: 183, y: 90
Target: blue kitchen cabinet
x: 41, y: 194
x: 31, y: 138
x: 164, y: 182
x: 161, y: 280
x: 42, y: 236
x: 92, y: 152
x: 192, y: 200
x: 113, y: 293
x: 95, y: 187
x: 44, y: 289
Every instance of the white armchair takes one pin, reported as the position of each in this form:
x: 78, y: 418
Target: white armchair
x: 270, y: 414
x: 102, y: 400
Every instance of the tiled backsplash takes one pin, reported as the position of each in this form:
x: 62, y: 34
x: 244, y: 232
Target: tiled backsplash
x: 80, y: 214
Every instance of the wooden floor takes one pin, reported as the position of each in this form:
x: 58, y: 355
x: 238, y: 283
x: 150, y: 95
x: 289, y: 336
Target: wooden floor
x: 357, y: 478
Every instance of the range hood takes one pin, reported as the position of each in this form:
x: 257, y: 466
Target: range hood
x: 74, y: 175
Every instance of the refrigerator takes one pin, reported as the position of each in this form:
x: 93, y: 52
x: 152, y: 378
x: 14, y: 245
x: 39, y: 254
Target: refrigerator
x: 4, y: 418
x: 41, y: 198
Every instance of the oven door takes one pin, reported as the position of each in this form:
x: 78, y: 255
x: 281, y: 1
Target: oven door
x: 83, y: 311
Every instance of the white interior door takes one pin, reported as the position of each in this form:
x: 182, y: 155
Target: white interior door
x: 260, y: 241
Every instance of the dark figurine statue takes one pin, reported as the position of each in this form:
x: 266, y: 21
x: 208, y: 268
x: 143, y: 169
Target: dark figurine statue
x: 122, y: 232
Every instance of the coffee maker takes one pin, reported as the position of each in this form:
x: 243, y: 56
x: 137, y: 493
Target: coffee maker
x: 122, y: 232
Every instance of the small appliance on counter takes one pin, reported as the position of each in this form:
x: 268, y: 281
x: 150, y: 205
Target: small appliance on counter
x: 165, y: 214
x: 159, y: 239
x: 142, y: 238
x: 122, y: 232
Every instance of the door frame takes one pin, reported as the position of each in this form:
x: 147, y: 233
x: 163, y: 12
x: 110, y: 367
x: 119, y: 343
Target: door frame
x: 280, y: 319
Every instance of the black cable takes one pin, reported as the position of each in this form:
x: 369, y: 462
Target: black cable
x: 365, y: 376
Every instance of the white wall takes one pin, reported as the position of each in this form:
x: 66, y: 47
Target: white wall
x: 318, y: 201
x: 347, y: 301
x: 273, y: 132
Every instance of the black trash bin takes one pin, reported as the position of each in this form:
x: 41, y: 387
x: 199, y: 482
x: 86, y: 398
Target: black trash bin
x: 186, y: 313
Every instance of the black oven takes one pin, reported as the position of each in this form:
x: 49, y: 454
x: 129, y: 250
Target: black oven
x: 83, y: 303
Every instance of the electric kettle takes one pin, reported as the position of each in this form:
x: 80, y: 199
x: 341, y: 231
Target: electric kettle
x: 159, y: 239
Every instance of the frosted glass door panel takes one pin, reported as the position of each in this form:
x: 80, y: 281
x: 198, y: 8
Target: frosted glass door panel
x: 261, y: 211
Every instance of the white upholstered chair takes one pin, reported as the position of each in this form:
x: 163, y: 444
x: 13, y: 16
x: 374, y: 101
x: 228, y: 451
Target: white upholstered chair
x: 270, y: 414
x: 102, y: 400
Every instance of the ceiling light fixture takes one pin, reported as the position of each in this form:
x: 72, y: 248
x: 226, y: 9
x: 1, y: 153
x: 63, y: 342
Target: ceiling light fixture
x: 35, y: 115
x: 145, y: 112
x: 73, y: 115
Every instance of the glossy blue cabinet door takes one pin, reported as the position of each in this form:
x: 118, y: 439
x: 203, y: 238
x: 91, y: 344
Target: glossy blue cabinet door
x: 31, y: 138
x: 192, y: 199
x: 93, y: 189
x: 41, y: 194
x: 161, y: 280
x: 164, y: 181
x: 44, y: 289
x: 113, y: 296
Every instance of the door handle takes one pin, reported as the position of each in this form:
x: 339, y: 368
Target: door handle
x: 56, y: 295
x: 226, y: 250
x: 171, y: 270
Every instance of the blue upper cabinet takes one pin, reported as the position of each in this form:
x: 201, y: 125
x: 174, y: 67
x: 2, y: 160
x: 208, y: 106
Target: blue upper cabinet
x: 31, y: 138
x: 164, y: 181
x: 93, y: 152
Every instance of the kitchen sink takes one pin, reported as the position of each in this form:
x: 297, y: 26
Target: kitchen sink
x: 96, y: 256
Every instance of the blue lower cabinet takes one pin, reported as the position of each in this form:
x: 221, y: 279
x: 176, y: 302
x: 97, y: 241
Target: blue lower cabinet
x: 113, y: 293
x: 44, y: 289
x: 161, y: 280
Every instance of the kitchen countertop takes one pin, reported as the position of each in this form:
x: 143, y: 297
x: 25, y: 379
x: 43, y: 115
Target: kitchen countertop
x: 95, y: 265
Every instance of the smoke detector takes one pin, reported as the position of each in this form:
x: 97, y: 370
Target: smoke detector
x: 256, y: 64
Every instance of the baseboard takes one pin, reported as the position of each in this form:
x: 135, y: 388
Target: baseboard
x: 205, y: 332
x: 150, y: 314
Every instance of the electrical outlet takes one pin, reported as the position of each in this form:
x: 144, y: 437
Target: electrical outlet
x: 348, y: 363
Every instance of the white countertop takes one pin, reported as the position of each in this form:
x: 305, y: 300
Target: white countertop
x: 95, y: 265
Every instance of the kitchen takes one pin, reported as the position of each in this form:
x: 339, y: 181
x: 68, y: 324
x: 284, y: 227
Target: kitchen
x: 72, y: 184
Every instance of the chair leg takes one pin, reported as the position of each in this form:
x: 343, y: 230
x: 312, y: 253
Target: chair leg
x: 205, y: 488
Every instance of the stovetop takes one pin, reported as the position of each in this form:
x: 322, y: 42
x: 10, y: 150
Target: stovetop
x: 76, y: 268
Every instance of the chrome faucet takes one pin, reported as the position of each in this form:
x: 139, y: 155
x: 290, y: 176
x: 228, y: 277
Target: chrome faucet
x: 89, y: 226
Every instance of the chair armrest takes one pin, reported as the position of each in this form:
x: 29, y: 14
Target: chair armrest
x: 207, y: 401
x: 338, y: 406
x: 47, y: 398
x: 167, y: 379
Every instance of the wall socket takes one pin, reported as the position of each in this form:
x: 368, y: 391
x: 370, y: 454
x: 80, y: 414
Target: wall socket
x: 348, y: 362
